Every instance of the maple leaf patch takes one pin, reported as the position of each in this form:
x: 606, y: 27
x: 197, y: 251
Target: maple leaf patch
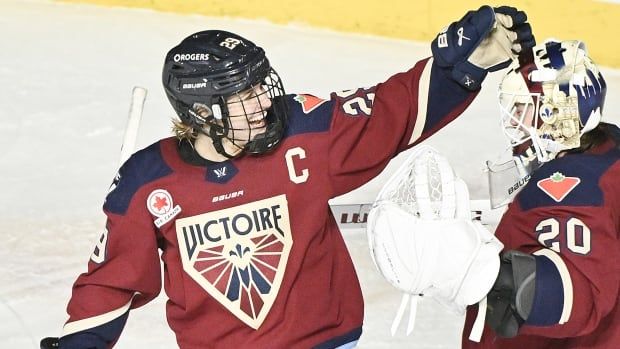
x: 558, y: 186
x: 309, y: 102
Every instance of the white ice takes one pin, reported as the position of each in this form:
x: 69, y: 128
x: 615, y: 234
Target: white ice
x: 66, y: 73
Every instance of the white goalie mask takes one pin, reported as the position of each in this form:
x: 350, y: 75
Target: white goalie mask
x: 546, y: 105
x: 423, y: 240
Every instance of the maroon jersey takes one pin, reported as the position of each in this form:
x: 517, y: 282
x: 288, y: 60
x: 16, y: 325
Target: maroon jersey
x: 568, y: 216
x: 252, y: 256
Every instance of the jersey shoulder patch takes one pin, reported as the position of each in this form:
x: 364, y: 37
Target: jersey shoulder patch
x: 308, y: 102
x: 572, y: 180
x: 308, y: 114
x: 141, y: 168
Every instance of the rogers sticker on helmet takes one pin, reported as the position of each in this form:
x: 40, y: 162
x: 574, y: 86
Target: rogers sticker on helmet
x: 191, y: 57
x: 160, y: 204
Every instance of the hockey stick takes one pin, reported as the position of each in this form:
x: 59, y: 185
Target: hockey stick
x: 354, y: 216
x: 138, y: 96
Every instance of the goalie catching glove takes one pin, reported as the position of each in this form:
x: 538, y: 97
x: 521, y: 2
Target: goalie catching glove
x: 423, y: 241
x: 482, y: 41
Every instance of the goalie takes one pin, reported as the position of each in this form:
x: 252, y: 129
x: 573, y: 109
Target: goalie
x: 556, y: 283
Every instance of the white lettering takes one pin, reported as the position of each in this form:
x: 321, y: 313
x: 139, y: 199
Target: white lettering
x: 223, y: 197
x: 98, y: 255
x: 230, y: 43
x: 442, y: 40
x: 191, y: 57
x: 196, y: 85
x: 292, y: 174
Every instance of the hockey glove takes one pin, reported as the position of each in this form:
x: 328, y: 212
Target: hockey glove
x: 482, y: 41
x: 509, y: 302
x: 49, y: 343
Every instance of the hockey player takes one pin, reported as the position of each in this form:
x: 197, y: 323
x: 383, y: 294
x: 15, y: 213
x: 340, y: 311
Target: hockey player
x: 558, y: 285
x: 237, y: 202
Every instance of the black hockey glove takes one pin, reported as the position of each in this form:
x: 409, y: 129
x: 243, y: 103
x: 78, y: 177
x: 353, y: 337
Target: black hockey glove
x: 49, y: 343
x: 509, y: 302
x: 482, y: 41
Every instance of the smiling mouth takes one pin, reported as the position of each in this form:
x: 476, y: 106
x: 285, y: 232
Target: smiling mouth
x: 258, y: 123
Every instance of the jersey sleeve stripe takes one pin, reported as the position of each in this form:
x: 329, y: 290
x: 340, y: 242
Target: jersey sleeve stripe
x: 565, y: 279
x: 92, y: 322
x: 423, y: 89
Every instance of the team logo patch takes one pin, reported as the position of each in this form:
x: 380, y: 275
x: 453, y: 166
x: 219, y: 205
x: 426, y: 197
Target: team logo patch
x: 239, y: 255
x: 309, y: 102
x: 558, y: 186
x: 160, y: 204
x: 221, y: 173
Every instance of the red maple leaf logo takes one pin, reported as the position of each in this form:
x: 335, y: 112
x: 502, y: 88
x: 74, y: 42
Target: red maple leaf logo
x: 309, y: 102
x: 558, y: 186
x: 160, y: 203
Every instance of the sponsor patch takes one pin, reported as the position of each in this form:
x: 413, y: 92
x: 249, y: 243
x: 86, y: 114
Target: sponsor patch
x: 557, y: 186
x: 160, y: 204
x: 239, y: 255
x: 232, y: 195
x: 309, y: 102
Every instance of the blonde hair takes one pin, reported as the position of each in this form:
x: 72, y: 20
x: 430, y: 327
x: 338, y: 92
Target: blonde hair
x: 183, y: 131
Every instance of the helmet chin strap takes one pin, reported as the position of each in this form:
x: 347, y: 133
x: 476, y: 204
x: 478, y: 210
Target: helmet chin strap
x: 208, y: 145
x: 218, y: 144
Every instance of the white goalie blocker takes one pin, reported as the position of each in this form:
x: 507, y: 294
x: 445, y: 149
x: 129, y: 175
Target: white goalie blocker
x: 424, y: 242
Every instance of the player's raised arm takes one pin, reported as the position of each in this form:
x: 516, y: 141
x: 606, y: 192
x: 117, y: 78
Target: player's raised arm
x: 370, y: 126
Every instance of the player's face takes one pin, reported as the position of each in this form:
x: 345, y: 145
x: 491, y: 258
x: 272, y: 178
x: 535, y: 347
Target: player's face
x: 523, y: 114
x: 247, y: 111
x: 518, y: 119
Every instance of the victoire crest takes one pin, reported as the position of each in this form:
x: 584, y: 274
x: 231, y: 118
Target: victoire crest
x: 239, y: 255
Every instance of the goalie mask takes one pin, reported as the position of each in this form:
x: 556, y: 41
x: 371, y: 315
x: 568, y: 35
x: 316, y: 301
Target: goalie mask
x: 223, y: 85
x: 546, y: 105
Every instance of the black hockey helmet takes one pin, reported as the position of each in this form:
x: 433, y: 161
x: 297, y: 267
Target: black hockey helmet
x: 210, y: 66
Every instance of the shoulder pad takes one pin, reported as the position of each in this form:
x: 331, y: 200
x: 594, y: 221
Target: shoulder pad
x: 572, y: 180
x: 141, y: 168
x: 308, y: 114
